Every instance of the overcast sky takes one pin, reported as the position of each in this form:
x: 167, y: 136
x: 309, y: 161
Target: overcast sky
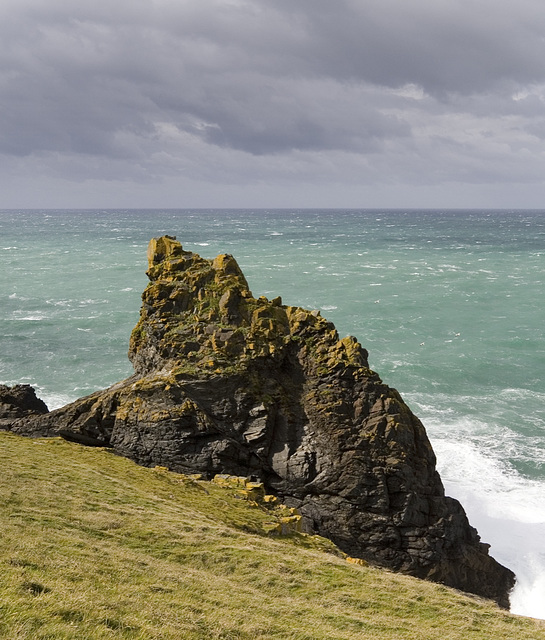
x: 272, y: 103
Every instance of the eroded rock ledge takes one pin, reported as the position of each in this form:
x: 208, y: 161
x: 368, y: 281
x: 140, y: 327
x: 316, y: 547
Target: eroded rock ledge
x: 226, y: 383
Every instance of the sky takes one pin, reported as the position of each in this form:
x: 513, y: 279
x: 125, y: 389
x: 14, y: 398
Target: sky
x: 272, y: 103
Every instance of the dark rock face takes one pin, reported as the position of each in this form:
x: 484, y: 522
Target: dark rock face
x: 19, y: 401
x: 227, y: 383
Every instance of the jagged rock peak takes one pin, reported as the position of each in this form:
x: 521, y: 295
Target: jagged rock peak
x: 200, y: 317
x: 226, y: 383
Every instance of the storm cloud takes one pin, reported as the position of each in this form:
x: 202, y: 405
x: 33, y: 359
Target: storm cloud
x: 181, y: 97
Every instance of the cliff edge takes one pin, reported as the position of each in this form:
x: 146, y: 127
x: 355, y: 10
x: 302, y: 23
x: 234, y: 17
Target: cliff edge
x: 228, y: 383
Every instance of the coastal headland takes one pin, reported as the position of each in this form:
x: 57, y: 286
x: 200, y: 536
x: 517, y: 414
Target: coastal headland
x: 226, y: 383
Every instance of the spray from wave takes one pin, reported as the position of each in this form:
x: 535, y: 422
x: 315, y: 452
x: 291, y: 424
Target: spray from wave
x: 508, y: 511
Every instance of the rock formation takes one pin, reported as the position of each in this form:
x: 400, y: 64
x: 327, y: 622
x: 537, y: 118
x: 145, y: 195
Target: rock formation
x: 19, y: 401
x: 232, y: 384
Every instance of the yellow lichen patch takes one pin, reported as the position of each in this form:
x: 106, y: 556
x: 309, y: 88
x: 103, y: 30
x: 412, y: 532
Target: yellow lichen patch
x: 125, y: 409
x: 353, y: 349
x: 272, y: 528
x: 358, y: 561
x: 270, y: 323
x: 159, y: 416
x: 160, y: 249
x: 255, y: 490
x: 391, y: 427
x: 249, y: 490
x: 296, y: 317
x: 226, y: 266
x: 263, y: 324
x: 188, y: 406
x: 290, y: 511
x: 232, y: 482
x: 291, y: 524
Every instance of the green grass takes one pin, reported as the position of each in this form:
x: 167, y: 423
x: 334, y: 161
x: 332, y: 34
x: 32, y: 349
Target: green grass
x: 95, y: 547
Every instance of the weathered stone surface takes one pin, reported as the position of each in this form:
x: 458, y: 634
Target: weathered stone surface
x: 19, y: 401
x: 229, y: 384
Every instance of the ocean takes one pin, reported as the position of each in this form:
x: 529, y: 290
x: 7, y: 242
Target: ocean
x: 448, y: 303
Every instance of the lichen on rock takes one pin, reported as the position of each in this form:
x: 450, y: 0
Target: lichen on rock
x: 227, y: 383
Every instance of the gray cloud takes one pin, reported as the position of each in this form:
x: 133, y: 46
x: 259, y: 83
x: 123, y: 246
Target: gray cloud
x: 443, y: 46
x: 239, y: 92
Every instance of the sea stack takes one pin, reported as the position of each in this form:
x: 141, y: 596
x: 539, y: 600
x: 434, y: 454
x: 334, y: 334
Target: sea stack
x: 228, y: 383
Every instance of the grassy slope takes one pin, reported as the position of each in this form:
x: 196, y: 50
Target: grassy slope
x: 94, y: 546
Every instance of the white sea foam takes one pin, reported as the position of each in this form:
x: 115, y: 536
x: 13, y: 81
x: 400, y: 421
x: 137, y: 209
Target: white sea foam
x: 53, y: 400
x: 508, y: 511
x: 59, y: 303
x: 90, y: 301
x: 33, y: 317
x: 522, y: 394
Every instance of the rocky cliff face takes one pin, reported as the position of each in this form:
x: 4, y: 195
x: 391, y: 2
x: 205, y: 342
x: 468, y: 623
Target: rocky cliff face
x: 228, y: 383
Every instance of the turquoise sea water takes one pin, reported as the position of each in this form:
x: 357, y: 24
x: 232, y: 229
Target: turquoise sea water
x: 448, y: 303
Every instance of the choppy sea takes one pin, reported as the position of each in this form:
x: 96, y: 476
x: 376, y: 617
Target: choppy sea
x: 448, y: 303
